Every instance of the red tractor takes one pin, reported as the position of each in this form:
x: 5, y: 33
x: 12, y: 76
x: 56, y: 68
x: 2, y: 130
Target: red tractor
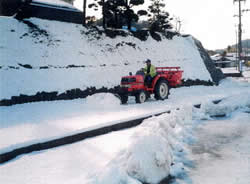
x: 133, y: 85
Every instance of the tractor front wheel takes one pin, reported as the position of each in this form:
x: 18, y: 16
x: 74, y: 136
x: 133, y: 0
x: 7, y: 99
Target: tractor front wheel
x: 161, y: 90
x: 141, y: 97
x: 124, y: 99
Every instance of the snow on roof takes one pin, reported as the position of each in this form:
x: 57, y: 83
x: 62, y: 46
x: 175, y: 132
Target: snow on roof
x: 230, y: 70
x: 54, y: 2
x: 216, y: 56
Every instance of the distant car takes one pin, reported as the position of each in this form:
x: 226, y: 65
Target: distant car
x: 133, y: 85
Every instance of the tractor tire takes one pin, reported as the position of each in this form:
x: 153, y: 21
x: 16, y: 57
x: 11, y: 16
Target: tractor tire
x: 124, y: 99
x: 161, y: 90
x: 141, y: 97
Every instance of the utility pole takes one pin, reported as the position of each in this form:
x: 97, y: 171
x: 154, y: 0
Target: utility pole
x: 236, y: 49
x: 239, y: 34
x: 240, y: 31
x: 84, y: 13
x: 103, y: 14
x: 243, y: 11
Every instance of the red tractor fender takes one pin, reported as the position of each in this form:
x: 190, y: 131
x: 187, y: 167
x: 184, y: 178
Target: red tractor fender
x: 156, y: 79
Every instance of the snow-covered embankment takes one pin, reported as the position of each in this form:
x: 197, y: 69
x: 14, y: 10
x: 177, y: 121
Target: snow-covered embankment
x: 63, y: 60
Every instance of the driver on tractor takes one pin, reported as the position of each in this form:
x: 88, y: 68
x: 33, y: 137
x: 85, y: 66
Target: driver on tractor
x: 150, y: 72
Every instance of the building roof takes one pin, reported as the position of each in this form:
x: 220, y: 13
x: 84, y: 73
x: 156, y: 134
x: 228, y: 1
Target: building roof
x: 54, y: 4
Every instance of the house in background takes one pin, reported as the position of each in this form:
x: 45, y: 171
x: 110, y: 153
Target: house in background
x: 43, y: 9
x: 225, y: 60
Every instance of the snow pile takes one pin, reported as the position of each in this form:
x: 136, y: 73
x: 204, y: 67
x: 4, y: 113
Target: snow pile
x: 103, y: 100
x: 226, y: 106
x: 113, y: 175
x: 159, y: 146
x: 149, y: 157
x: 40, y: 55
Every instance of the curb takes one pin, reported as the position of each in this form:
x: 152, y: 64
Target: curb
x: 5, y: 157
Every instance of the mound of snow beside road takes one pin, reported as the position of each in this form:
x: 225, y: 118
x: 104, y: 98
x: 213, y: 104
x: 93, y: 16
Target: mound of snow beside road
x: 103, y: 100
x: 150, y: 153
x: 158, y: 147
x: 40, y: 55
x: 227, y: 106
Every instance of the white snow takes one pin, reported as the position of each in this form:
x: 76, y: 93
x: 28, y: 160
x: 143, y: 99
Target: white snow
x: 187, y: 143
x: 233, y: 70
x: 54, y: 2
x: 142, y: 154
x: 67, y: 44
x: 246, y: 74
x: 230, y: 70
x: 47, y: 120
x: 103, y: 100
x: 228, y: 105
x: 222, y: 152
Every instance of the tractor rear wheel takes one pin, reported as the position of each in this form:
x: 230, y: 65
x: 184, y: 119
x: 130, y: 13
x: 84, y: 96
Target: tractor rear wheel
x: 161, y: 90
x: 141, y: 97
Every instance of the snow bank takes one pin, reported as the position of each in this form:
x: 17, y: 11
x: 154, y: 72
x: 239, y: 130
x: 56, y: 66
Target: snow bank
x: 230, y: 95
x: 149, y: 157
x: 103, y: 100
x: 113, y: 175
x: 226, y: 106
x: 159, y: 145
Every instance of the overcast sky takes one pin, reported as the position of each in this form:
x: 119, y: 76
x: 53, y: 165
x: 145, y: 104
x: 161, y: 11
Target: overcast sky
x: 210, y: 21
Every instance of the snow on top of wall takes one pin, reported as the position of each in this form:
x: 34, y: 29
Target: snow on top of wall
x: 101, y: 60
x: 54, y: 2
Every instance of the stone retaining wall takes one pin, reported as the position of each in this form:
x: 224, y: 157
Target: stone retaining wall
x: 77, y: 93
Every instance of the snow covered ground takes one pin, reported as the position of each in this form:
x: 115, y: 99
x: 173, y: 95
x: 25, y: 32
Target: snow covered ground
x: 222, y: 151
x: 245, y: 72
x: 230, y: 70
x: 49, y: 48
x: 67, y: 117
x: 187, y: 143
